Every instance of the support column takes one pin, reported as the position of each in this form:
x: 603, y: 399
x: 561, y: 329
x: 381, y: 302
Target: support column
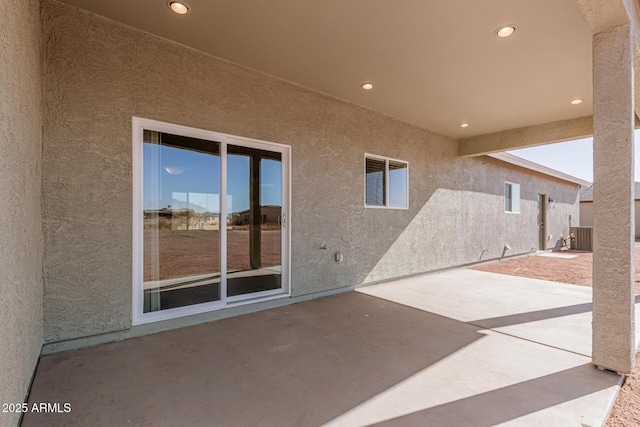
x: 613, y: 211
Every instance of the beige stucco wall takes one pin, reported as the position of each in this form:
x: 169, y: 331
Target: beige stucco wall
x: 21, y: 240
x: 98, y: 74
x: 586, y: 215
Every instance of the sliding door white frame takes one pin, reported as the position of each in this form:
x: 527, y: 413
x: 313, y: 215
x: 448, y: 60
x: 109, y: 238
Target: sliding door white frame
x: 138, y: 127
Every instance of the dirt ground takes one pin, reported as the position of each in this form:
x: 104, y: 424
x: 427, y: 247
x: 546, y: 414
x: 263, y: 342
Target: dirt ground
x: 182, y: 253
x: 577, y: 270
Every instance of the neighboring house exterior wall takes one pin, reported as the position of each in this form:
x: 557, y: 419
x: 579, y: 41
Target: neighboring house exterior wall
x: 586, y: 214
x: 98, y: 74
x: 586, y: 208
x: 21, y: 236
x: 636, y: 206
x: 270, y: 215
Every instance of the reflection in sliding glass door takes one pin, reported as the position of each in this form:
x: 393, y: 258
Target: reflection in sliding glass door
x: 254, y: 220
x: 181, y: 202
x: 210, y: 225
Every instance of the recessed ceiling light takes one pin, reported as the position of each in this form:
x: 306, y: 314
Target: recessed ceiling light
x: 576, y: 101
x: 505, y: 31
x: 367, y: 86
x: 179, y: 8
x: 464, y: 125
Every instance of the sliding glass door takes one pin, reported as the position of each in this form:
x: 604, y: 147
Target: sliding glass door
x: 181, y: 202
x: 210, y: 221
x: 254, y: 235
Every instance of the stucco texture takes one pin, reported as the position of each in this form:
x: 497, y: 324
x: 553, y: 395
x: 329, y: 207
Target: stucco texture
x: 586, y: 215
x: 613, y: 194
x: 21, y: 239
x: 98, y: 74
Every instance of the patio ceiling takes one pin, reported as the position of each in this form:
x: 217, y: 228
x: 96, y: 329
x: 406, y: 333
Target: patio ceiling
x: 434, y: 63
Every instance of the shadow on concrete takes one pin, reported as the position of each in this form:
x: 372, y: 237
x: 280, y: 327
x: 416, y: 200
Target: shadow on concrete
x: 534, y: 316
x: 305, y: 364
x: 298, y: 365
x: 507, y: 403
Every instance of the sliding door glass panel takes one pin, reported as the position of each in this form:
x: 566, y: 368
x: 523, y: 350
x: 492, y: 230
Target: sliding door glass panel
x: 181, y: 202
x: 254, y: 220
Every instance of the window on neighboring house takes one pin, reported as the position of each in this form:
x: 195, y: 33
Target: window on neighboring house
x: 511, y: 197
x: 386, y: 183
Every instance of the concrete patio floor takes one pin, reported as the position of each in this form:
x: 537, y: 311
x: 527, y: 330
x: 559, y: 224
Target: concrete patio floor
x: 460, y: 348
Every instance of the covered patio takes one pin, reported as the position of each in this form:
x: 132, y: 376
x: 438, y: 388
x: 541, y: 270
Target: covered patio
x: 461, y: 347
x: 84, y: 78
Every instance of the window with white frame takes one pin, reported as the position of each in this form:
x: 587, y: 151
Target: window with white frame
x: 386, y: 182
x: 511, y: 197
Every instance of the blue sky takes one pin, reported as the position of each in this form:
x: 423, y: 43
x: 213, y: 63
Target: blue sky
x: 573, y: 157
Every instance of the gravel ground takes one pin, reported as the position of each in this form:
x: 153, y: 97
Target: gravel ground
x: 577, y: 270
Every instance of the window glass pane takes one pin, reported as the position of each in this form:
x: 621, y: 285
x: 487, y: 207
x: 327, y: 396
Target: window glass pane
x: 254, y: 224
x: 398, y: 174
x: 375, y: 182
x: 181, y: 203
x: 507, y: 197
x: 515, y: 197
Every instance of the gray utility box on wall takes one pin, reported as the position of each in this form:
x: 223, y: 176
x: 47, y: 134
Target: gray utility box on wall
x: 582, y: 238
